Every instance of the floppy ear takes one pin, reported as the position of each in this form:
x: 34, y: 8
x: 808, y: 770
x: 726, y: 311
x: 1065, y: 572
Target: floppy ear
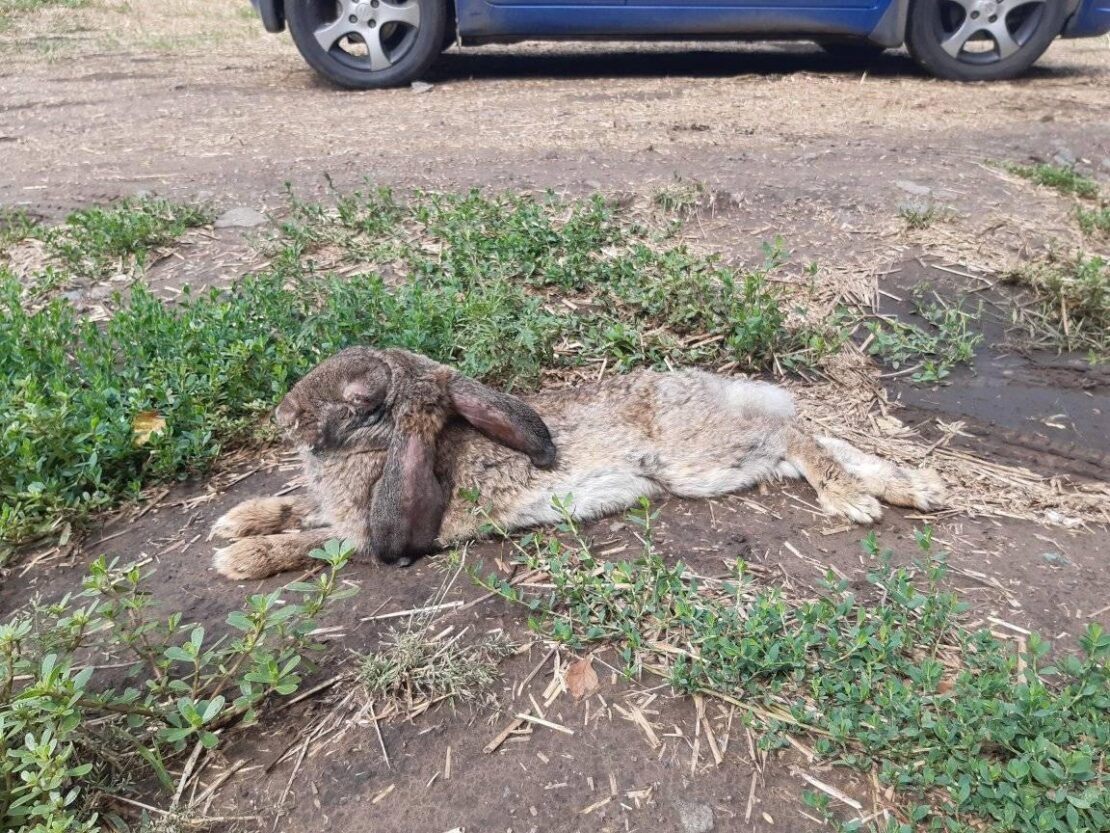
x: 504, y: 419
x: 408, y: 502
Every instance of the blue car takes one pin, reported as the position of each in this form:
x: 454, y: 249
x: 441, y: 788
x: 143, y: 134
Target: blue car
x: 367, y: 44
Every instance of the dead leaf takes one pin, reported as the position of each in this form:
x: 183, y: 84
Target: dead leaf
x: 581, y: 678
x: 145, y: 425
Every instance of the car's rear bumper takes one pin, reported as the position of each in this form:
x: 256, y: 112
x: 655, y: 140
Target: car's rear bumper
x: 1091, y: 19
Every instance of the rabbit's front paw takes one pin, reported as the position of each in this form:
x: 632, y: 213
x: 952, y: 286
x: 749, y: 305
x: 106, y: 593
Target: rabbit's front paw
x: 244, y: 559
x: 264, y: 555
x: 259, y: 516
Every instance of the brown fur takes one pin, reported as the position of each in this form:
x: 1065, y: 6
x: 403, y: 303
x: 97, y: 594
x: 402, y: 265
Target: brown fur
x: 686, y: 433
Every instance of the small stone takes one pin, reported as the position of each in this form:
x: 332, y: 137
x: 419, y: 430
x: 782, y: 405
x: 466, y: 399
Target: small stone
x: 914, y: 188
x: 421, y: 87
x: 1064, y: 157
x: 694, y: 817
x: 241, y: 217
x: 1105, y: 163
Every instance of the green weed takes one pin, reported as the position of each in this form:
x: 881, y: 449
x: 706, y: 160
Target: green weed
x: 411, y: 667
x: 972, y: 734
x: 16, y: 225
x: 922, y: 215
x: 1094, y: 222
x: 505, y: 288
x: 73, y: 733
x: 682, y: 199
x: 1064, y: 179
x: 10, y: 9
x: 1070, y: 309
x: 947, y: 340
x: 97, y: 242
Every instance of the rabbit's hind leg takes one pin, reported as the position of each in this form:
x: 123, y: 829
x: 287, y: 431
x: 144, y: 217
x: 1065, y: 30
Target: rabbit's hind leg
x: 264, y: 555
x: 840, y: 491
x: 265, y: 516
x: 894, y: 484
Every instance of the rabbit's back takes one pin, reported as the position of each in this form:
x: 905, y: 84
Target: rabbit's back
x: 689, y: 433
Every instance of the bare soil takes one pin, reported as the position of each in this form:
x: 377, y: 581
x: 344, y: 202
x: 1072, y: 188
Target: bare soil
x: 792, y: 143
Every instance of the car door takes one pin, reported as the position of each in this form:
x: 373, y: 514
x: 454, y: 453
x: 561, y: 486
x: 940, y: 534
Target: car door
x: 767, y: 8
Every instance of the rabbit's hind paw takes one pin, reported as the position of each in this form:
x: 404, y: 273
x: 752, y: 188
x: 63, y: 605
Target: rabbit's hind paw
x: 854, y: 504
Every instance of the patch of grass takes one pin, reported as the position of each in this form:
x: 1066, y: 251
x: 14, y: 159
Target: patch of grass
x: 412, y: 667
x: 947, y: 340
x: 1095, y: 222
x: 94, y: 243
x: 505, y: 288
x: 971, y: 733
x: 16, y: 225
x: 10, y: 9
x: 682, y: 199
x: 922, y: 215
x: 1064, y: 179
x: 1070, y: 309
x: 74, y: 732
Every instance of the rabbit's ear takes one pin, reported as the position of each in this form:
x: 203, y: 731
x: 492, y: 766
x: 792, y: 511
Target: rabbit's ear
x: 408, y: 502
x: 504, y: 419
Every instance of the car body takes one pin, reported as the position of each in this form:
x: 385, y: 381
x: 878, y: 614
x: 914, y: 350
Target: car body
x: 870, y: 25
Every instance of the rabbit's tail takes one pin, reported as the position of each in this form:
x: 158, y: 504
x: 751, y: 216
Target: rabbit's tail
x: 850, y: 482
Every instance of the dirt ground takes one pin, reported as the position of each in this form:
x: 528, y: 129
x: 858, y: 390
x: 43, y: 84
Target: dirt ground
x: 192, y: 100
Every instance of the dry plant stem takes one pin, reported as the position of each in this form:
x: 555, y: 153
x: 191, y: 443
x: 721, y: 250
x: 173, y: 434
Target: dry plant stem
x: 378, y: 731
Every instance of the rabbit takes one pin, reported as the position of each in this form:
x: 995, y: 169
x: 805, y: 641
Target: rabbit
x: 390, y: 439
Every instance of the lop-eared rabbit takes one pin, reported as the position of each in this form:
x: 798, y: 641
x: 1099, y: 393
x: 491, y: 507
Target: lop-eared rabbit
x: 389, y: 439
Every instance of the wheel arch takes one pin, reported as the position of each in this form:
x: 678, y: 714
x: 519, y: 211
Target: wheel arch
x: 890, y: 31
x: 891, y: 28
x: 272, y: 13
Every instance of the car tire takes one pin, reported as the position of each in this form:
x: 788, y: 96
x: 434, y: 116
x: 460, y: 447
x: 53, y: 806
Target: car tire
x: 1005, y: 36
x: 368, y: 44
x: 450, y: 28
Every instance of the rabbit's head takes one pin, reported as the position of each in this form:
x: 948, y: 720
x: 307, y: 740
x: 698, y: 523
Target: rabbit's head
x: 341, y: 404
x: 396, y: 403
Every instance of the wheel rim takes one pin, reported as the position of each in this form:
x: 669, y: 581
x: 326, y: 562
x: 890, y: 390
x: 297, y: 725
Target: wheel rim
x: 986, y: 31
x: 367, y: 35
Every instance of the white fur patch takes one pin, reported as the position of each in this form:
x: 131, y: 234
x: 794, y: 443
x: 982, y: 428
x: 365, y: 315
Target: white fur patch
x: 711, y: 481
x: 787, y: 469
x: 592, y: 495
x: 859, y: 463
x: 757, y: 398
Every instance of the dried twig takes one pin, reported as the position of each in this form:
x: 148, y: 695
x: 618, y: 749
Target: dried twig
x: 378, y: 730
x: 415, y: 611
